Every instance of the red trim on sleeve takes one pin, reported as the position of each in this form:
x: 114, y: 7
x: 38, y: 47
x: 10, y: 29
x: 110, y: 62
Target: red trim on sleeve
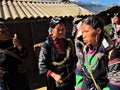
x: 49, y: 73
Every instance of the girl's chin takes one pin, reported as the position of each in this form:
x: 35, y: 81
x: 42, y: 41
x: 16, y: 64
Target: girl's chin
x: 87, y: 44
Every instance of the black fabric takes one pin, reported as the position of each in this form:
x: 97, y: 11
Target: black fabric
x: 115, y: 53
x: 6, y: 44
x: 13, y: 79
x: 99, y: 73
x: 52, y: 55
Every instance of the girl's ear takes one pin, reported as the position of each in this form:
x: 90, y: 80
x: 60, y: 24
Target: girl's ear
x: 99, y: 31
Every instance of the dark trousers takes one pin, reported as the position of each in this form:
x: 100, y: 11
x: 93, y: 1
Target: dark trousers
x: 113, y: 87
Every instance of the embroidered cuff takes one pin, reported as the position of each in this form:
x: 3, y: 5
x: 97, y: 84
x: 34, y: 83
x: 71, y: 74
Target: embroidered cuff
x: 49, y: 73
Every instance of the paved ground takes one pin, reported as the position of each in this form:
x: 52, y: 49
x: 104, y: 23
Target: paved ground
x: 42, y: 88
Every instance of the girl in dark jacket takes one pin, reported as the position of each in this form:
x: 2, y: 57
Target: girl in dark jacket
x: 57, y: 58
x: 95, y: 54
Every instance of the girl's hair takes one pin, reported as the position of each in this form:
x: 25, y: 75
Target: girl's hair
x: 94, y: 21
x: 3, y: 27
x: 56, y: 20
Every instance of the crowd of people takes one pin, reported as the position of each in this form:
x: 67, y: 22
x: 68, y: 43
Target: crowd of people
x: 101, y: 57
x: 57, y: 58
x: 89, y: 60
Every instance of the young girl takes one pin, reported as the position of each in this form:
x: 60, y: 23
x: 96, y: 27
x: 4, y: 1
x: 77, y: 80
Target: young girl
x: 95, y: 54
x: 79, y: 47
x: 57, y: 58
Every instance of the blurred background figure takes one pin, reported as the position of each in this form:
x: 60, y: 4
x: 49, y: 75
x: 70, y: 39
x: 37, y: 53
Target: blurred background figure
x: 114, y: 57
x: 114, y: 69
x: 11, y: 52
x: 79, y: 53
x: 115, y: 31
x: 75, y: 22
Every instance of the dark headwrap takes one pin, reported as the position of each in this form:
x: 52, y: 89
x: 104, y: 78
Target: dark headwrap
x: 56, y: 20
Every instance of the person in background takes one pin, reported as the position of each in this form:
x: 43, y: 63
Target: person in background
x: 77, y: 40
x: 114, y: 69
x: 115, y: 31
x: 95, y: 53
x: 79, y: 47
x: 11, y: 52
x: 57, y: 58
x: 76, y: 20
x: 114, y: 57
x: 114, y: 62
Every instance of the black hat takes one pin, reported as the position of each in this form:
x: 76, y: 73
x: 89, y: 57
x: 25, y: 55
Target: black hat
x: 56, y: 20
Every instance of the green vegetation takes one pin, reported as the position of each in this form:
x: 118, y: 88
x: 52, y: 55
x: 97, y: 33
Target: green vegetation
x: 107, y: 28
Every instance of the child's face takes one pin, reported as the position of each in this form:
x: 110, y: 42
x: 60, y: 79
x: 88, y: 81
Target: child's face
x: 59, y: 31
x: 89, y: 35
x: 115, y: 19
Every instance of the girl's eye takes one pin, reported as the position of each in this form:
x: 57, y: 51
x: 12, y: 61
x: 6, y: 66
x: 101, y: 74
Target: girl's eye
x: 62, y: 30
x: 86, y: 30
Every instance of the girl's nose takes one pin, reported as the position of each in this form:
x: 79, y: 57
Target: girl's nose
x: 83, y: 35
x: 60, y: 31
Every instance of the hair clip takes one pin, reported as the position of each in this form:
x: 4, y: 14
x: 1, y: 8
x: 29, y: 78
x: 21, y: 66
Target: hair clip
x: 115, y: 14
x: 56, y: 20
